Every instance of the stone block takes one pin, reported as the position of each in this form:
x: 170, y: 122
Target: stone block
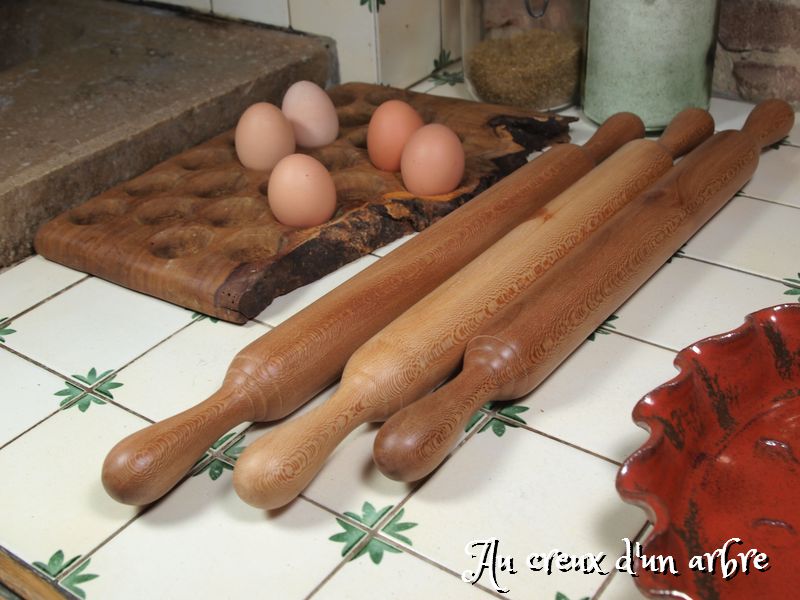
x: 93, y: 93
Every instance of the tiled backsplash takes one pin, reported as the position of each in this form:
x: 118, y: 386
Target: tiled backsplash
x: 378, y: 41
x: 396, y: 41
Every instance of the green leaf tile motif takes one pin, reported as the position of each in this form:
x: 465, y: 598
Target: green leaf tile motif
x: 473, y: 420
x: 350, y: 536
x: 498, y: 426
x: 84, y: 403
x: 215, y: 468
x: 790, y: 282
x: 5, y: 330
x: 70, y: 392
x: 221, y: 441
x: 56, y: 564
x: 561, y: 596
x: 78, y: 577
x: 92, y: 377
x: 372, y: 3
x: 370, y: 517
x: 218, y: 465
x: 395, y: 526
x: 376, y: 548
x: 198, y: 316
x: 604, y: 329
x: 445, y: 77
x: 234, y: 451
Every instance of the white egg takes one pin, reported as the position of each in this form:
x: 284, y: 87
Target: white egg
x: 312, y: 114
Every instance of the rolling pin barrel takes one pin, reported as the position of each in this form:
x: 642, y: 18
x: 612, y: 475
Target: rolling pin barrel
x: 286, y: 367
x: 518, y: 351
x: 422, y: 346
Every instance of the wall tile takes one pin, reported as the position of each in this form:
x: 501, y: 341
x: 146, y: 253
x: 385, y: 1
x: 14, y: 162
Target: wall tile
x: 409, y: 39
x: 352, y: 24
x: 200, y: 5
x: 272, y: 12
x: 451, y: 27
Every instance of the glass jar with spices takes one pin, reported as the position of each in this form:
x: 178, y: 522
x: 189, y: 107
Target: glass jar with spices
x: 524, y: 53
x: 650, y: 57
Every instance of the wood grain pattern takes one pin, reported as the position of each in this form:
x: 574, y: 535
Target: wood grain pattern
x: 196, y: 230
x: 283, y: 369
x: 517, y: 352
x: 421, y: 347
x: 26, y: 582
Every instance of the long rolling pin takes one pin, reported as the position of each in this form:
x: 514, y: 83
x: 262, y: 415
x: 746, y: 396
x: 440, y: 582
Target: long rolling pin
x: 283, y: 369
x: 422, y: 346
x: 554, y: 316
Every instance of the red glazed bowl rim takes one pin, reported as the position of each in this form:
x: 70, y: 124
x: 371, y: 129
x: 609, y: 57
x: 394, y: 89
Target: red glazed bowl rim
x: 650, y: 501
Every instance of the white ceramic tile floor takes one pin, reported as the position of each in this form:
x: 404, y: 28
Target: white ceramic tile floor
x: 57, y: 501
x: 32, y: 281
x: 513, y: 488
x: 594, y: 411
x: 754, y: 222
x: 689, y: 300
x: 532, y: 492
x: 778, y: 176
x: 94, y: 324
x: 189, y: 365
x: 360, y: 579
x: 217, y: 547
x: 29, y: 396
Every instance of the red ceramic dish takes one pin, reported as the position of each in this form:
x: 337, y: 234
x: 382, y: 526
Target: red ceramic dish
x: 723, y: 461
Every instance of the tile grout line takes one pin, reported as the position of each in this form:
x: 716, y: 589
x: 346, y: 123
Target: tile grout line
x: 630, y: 336
x: 418, y: 555
x: 151, y: 348
x: 39, y: 422
x: 767, y: 200
x: 518, y: 425
x: 335, y: 513
x: 47, y: 299
x: 143, y: 510
x: 732, y: 268
x: 345, y: 559
x: 90, y: 389
x: 35, y: 362
x: 65, y: 593
x: 609, y: 579
x: 418, y: 484
x: 93, y: 551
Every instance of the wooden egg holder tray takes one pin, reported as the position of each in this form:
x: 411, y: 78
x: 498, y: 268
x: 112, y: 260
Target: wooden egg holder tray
x: 196, y: 230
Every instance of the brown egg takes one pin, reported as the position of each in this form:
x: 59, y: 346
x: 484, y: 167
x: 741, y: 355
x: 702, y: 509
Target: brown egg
x: 390, y: 127
x: 263, y: 137
x: 301, y: 192
x: 432, y: 161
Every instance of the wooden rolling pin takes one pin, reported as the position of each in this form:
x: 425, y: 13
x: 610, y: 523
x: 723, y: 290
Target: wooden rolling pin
x: 283, y: 369
x: 519, y: 350
x: 422, y: 346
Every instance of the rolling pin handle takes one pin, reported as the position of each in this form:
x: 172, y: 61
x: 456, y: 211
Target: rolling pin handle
x: 687, y: 130
x: 417, y: 439
x: 617, y: 130
x: 146, y: 465
x: 769, y: 122
x: 277, y: 467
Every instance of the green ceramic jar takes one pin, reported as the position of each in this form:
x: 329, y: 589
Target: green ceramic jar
x: 650, y: 57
